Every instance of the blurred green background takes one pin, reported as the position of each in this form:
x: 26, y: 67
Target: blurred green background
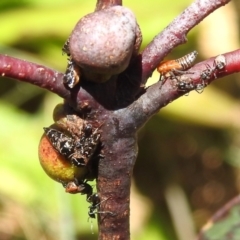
x: 188, y: 164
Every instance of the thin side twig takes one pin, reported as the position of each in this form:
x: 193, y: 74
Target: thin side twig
x: 220, y: 215
x: 158, y: 96
x: 175, y: 33
x: 33, y: 73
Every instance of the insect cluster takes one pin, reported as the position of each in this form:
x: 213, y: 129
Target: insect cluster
x: 84, y: 188
x: 69, y: 151
x: 175, y: 69
x: 77, y: 151
x: 171, y: 67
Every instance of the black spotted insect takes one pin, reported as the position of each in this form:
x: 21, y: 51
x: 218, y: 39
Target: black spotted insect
x: 85, y: 146
x: 60, y: 141
x: 171, y: 67
x: 72, y: 74
x: 79, y: 149
x: 65, y: 48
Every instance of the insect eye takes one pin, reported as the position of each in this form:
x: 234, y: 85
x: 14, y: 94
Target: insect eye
x: 88, y: 129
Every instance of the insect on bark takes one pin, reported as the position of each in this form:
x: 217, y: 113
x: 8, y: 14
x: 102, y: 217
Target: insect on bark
x: 94, y: 208
x: 220, y: 62
x: 168, y: 68
x: 72, y: 75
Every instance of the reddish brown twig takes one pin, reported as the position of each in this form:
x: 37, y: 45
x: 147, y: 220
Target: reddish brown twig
x: 220, y: 215
x: 33, y: 73
x: 175, y: 34
x: 161, y: 96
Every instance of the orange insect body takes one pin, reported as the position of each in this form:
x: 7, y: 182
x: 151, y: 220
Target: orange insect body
x: 179, y: 64
x: 166, y: 66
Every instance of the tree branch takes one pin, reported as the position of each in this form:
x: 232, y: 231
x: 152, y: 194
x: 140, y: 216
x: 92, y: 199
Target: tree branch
x: 52, y: 81
x: 175, y: 34
x: 33, y: 73
x: 158, y: 96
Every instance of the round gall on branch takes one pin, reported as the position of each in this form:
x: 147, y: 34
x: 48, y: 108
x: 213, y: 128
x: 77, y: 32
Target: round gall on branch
x: 68, y: 150
x: 103, y: 43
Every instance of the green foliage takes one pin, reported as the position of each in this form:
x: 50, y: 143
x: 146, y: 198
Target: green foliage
x: 227, y: 228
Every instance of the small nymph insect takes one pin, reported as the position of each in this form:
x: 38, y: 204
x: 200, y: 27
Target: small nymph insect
x: 220, y: 62
x: 72, y: 75
x: 65, y: 48
x: 171, y: 67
